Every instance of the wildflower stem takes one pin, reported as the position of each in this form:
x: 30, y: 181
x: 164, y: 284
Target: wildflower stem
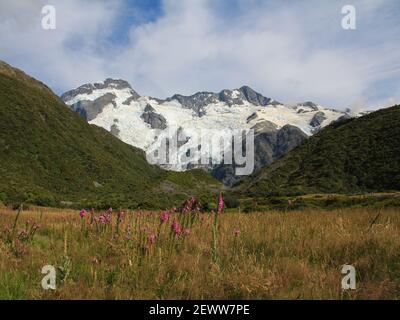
x: 16, y: 221
x: 214, y: 248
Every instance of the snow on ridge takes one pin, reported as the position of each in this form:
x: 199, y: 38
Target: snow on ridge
x: 125, y: 114
x: 121, y: 95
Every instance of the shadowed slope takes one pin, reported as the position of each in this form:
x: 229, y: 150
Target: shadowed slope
x: 48, y: 154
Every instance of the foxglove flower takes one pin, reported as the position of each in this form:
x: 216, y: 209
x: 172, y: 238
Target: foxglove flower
x: 164, y: 216
x: 151, y: 238
x: 175, y: 227
x: 83, y: 213
x: 220, y: 207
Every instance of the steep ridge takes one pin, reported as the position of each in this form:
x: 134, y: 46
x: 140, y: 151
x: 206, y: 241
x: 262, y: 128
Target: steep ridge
x: 357, y: 155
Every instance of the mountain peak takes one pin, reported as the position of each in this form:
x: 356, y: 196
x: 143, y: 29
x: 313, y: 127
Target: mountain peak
x: 116, y: 83
x: 254, y: 97
x: 240, y: 96
x: 308, y: 104
x: 89, y: 88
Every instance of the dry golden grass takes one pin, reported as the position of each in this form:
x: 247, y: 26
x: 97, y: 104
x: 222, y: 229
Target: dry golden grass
x: 278, y: 255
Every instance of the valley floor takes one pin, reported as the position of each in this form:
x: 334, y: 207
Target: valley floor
x: 260, y: 255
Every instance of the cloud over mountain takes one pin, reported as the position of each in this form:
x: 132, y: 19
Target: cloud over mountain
x: 293, y: 52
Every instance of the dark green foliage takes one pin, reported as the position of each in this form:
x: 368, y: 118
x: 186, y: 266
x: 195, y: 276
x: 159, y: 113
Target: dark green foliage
x: 359, y: 155
x: 231, y: 200
x: 49, y: 155
x: 327, y: 202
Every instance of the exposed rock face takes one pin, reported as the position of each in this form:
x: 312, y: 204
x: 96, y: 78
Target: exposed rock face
x: 196, y: 102
x: 270, y: 144
x: 254, y: 97
x: 149, y: 108
x: 343, y: 118
x: 90, y: 87
x: 155, y: 120
x: 232, y: 97
x: 133, y: 97
x: 114, y: 130
x: 287, y: 139
x: 264, y: 126
x: 89, y: 110
x: 200, y: 100
x: 317, y: 120
x: 309, y: 104
x: 252, y: 117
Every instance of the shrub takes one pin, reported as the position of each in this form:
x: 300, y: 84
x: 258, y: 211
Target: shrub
x: 231, y: 201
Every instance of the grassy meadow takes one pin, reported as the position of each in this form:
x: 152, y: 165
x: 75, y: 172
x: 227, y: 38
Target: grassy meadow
x: 294, y: 254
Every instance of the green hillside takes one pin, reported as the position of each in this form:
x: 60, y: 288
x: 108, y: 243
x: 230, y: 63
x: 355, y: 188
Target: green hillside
x: 358, y: 155
x: 50, y: 155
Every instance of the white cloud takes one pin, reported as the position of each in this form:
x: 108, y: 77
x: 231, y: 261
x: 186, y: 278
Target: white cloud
x: 291, y: 53
x: 47, y: 54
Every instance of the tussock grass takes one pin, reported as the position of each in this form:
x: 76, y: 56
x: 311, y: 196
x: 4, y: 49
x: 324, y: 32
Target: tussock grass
x: 277, y: 255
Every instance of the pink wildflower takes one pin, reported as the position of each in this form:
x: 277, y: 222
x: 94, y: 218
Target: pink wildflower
x: 220, y: 207
x: 290, y: 202
x: 23, y: 235
x: 151, y: 238
x: 189, y: 205
x: 175, y: 227
x: 186, y: 232
x: 104, y: 219
x: 164, y: 216
x: 83, y: 213
x: 237, y: 233
x: 121, y: 215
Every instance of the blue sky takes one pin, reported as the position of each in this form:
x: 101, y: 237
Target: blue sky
x: 134, y: 13
x: 288, y: 50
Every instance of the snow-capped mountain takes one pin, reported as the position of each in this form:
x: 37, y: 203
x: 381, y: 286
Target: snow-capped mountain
x: 145, y: 122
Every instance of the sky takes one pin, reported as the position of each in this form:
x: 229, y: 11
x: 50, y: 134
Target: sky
x: 291, y: 51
